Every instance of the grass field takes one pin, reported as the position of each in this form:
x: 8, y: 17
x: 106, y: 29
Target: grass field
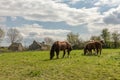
x: 35, y: 65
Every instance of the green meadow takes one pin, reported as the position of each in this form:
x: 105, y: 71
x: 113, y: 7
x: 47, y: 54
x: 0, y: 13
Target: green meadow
x: 35, y: 65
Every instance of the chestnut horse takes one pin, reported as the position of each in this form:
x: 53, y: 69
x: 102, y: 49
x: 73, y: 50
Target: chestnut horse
x: 57, y: 46
x: 95, y: 45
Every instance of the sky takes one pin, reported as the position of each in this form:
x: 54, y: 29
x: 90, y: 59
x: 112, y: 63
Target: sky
x: 37, y: 19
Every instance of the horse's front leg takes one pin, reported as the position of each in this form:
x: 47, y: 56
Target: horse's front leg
x: 63, y: 53
x: 90, y: 51
x: 97, y: 51
x: 57, y: 54
x: 85, y: 51
x: 68, y: 53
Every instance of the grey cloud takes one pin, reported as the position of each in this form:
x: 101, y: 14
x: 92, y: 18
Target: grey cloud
x: 112, y: 16
x: 112, y: 20
x: 33, y: 34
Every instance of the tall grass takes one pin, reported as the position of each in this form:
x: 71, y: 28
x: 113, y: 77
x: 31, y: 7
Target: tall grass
x: 35, y: 65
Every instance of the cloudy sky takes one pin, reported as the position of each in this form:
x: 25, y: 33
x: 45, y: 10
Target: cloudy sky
x: 36, y: 19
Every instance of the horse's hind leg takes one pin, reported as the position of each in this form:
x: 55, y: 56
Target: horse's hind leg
x: 97, y: 51
x: 100, y: 51
x: 85, y: 51
x: 94, y: 51
x: 63, y: 53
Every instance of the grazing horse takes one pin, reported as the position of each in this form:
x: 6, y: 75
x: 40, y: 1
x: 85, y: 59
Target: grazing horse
x: 95, y: 45
x: 89, y: 47
x: 57, y: 46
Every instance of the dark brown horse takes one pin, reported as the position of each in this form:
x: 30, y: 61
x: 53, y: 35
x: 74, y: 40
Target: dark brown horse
x: 89, y: 47
x: 57, y: 46
x: 95, y: 45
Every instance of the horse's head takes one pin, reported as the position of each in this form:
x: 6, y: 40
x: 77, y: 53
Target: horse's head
x: 52, y: 51
x: 70, y: 49
x: 101, y: 41
x: 51, y: 54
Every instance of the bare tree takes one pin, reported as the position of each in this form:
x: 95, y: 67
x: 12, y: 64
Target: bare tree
x: 14, y: 35
x: 48, y: 40
x: 1, y: 34
x: 75, y: 40
x: 95, y: 38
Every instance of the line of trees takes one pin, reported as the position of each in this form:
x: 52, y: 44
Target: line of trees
x: 112, y: 39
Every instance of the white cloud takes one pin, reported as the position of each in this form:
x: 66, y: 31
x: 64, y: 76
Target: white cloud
x: 68, y: 1
x: 96, y: 28
x: 109, y: 19
x: 74, y: 1
x: 36, y: 31
x: 108, y: 2
x: 57, y: 11
x: 50, y: 10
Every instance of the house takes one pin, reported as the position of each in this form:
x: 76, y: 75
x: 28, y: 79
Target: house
x: 35, y: 46
x: 16, y: 47
x: 38, y: 46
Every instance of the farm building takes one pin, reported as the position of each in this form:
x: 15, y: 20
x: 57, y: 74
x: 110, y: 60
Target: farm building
x: 16, y: 47
x: 38, y: 46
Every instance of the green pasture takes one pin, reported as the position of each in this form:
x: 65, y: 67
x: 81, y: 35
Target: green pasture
x: 35, y: 65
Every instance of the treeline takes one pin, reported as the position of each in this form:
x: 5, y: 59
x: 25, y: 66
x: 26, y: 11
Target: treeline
x: 111, y: 39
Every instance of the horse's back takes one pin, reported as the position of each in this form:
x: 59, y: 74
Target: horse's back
x: 98, y: 44
x: 90, y: 45
x: 62, y: 45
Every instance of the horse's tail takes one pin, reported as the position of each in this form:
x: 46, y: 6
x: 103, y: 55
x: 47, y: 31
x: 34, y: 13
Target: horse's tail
x: 52, y: 51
